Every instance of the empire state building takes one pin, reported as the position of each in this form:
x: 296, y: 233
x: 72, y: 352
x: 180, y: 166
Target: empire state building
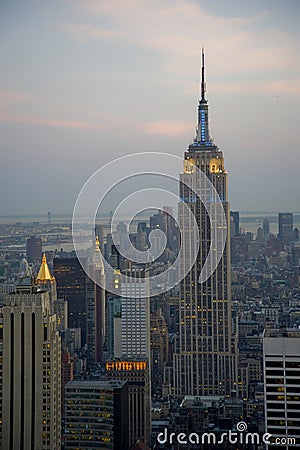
x: 205, y: 363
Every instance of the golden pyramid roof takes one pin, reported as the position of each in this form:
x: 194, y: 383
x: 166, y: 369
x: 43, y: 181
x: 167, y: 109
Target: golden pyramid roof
x: 97, y: 258
x: 44, y: 272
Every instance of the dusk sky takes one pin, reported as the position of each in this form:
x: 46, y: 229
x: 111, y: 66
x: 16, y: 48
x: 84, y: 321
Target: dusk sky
x: 85, y: 81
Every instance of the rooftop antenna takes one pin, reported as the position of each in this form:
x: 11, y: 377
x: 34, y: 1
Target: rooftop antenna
x: 203, y: 86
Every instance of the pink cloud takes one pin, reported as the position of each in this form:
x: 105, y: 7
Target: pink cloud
x: 75, y: 124
x: 5, y: 118
x: 235, y: 45
x: 291, y: 86
x: 168, y: 128
x: 123, y: 125
x: 84, y: 31
x: 10, y: 97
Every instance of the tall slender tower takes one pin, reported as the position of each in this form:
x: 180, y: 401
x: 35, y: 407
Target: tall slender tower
x: 95, y: 309
x: 135, y: 353
x: 30, y: 373
x: 205, y: 363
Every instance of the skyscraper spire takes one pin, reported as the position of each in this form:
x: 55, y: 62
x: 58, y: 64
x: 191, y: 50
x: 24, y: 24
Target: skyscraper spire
x: 203, y: 86
x: 202, y: 137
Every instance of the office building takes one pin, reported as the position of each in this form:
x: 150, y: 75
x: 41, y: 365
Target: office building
x: 135, y: 315
x: 266, y: 228
x: 90, y: 323
x: 285, y: 227
x: 159, y: 347
x: 30, y: 376
x: 114, y: 327
x: 96, y: 415
x: 95, y: 309
x: 47, y: 282
x: 235, y: 223
x: 71, y: 340
x: 137, y: 374
x: 129, y: 338
x: 164, y: 221
x: 61, y: 311
x: 71, y: 286
x: 67, y: 374
x: 205, y: 363
x: 34, y: 249
x: 171, y: 228
x: 281, y: 356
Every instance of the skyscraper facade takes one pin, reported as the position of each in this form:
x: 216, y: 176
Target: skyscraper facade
x: 47, y: 282
x: 95, y: 309
x: 159, y: 345
x: 235, y: 225
x: 96, y: 415
x: 129, y: 337
x: 71, y: 286
x: 281, y: 355
x: 34, y: 249
x: 135, y: 315
x: 114, y: 327
x: 137, y: 373
x: 266, y: 228
x: 285, y: 226
x: 30, y: 376
x: 205, y: 363
x: 100, y: 303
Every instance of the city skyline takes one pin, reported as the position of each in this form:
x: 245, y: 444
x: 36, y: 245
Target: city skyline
x: 78, y: 89
x: 119, y: 327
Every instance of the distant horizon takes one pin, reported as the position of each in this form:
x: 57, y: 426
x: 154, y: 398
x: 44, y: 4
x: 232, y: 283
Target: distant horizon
x: 250, y: 218
x: 246, y: 212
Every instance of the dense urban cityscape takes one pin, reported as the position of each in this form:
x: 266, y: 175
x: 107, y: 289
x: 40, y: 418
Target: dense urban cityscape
x: 88, y: 364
